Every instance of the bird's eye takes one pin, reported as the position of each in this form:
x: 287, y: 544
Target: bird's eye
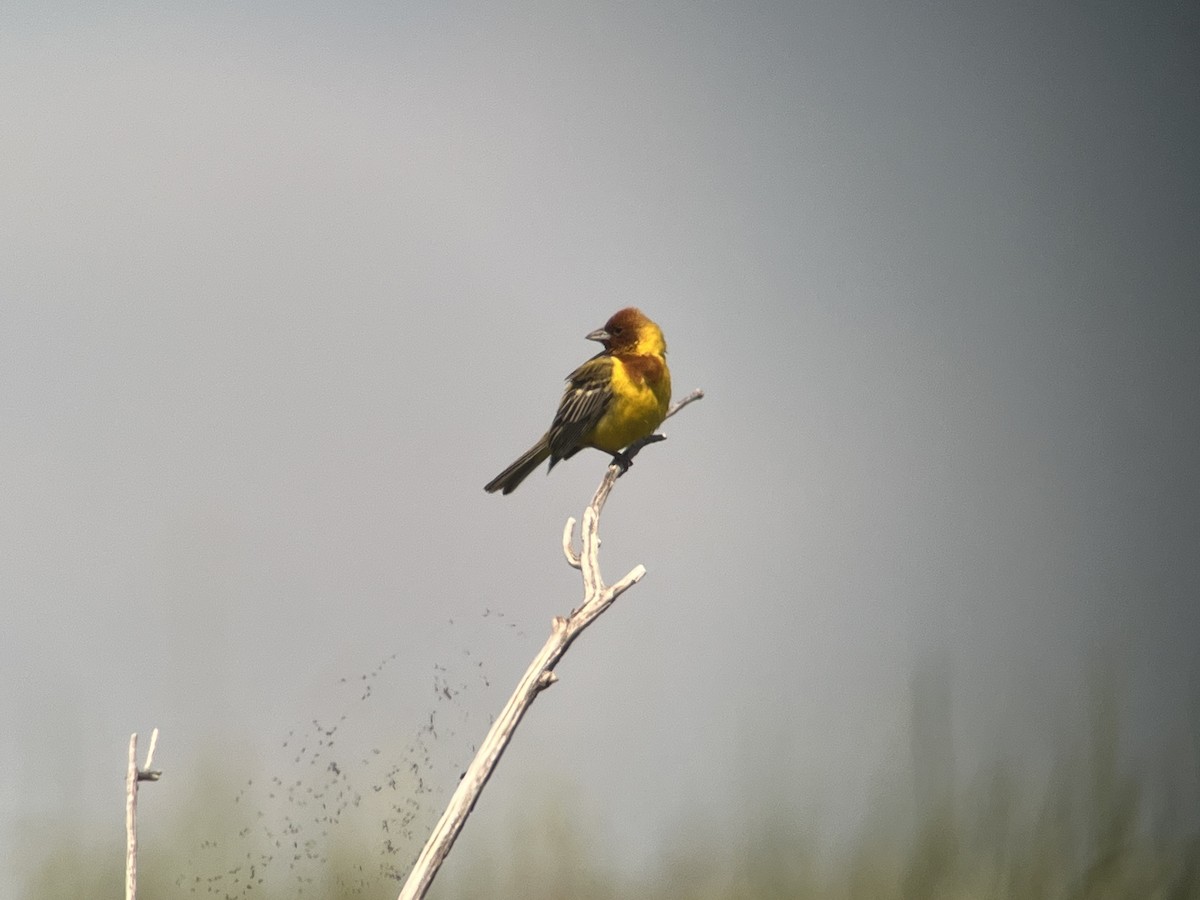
x: 616, y: 329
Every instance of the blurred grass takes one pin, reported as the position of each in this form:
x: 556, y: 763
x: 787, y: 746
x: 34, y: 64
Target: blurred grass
x: 1088, y: 831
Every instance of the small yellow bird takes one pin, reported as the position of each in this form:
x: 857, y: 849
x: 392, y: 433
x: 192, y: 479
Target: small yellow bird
x: 617, y: 397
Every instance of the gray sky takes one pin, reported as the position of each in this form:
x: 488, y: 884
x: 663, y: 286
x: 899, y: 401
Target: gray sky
x: 283, y: 285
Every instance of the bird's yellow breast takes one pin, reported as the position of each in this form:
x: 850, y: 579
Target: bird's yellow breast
x: 641, y: 394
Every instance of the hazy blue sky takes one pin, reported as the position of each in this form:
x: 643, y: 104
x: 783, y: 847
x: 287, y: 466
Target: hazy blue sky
x: 283, y: 285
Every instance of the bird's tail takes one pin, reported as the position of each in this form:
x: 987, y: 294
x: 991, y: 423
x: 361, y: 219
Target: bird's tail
x: 507, y: 481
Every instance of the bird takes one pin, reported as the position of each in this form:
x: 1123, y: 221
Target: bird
x: 617, y: 397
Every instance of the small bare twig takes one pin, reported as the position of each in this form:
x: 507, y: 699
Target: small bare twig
x: 597, y: 597
x: 132, y: 776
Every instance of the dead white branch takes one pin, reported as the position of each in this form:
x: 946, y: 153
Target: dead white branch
x: 597, y: 597
x: 132, y: 776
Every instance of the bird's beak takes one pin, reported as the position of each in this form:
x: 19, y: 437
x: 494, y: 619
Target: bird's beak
x: 599, y: 335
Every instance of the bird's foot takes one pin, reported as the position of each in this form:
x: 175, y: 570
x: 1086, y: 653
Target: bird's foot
x: 622, y: 461
x: 624, y: 458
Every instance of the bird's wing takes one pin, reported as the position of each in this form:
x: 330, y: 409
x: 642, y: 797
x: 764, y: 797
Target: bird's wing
x: 587, y: 397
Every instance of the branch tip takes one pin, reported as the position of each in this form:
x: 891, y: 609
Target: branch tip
x: 568, y: 550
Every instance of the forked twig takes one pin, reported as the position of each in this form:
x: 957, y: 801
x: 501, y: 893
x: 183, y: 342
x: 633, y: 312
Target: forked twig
x: 132, y: 776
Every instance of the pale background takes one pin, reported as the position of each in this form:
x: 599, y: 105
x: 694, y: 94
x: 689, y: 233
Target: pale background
x: 282, y: 285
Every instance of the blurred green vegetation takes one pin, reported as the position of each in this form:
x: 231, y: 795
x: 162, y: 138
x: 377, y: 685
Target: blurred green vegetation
x: 1094, y: 829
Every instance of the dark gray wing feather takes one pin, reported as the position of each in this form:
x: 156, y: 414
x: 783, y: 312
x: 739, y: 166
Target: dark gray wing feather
x: 587, y: 397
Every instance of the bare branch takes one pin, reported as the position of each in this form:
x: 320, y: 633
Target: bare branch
x: 145, y: 773
x: 679, y: 404
x: 597, y: 597
x: 150, y: 752
x: 131, y: 780
x: 132, y: 776
x: 568, y: 551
